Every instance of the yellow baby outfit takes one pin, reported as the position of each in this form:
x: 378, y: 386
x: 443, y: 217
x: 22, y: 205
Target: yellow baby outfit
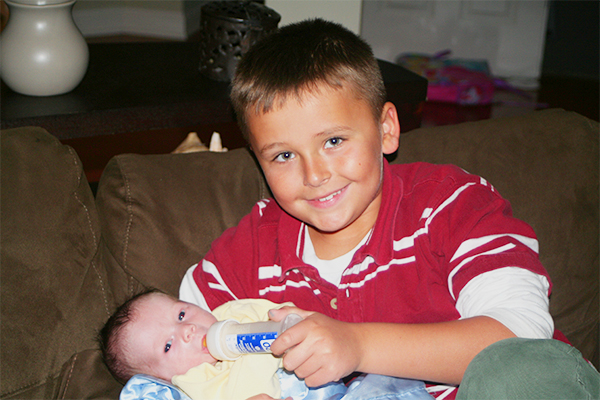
x: 240, y: 379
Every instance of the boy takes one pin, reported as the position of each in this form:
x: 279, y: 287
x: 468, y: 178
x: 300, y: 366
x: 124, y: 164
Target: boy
x: 154, y: 339
x: 411, y: 270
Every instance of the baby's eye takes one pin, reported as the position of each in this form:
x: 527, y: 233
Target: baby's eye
x: 285, y: 156
x: 168, y: 345
x: 333, y: 142
x: 181, y: 315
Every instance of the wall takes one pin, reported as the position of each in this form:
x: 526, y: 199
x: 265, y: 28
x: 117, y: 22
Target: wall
x: 345, y: 12
x: 509, y: 34
x: 162, y: 19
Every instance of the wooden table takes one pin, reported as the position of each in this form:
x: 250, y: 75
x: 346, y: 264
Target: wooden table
x: 146, y: 97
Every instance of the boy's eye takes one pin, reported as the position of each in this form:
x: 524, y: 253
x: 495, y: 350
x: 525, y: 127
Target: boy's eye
x: 168, y: 345
x: 333, y: 142
x: 181, y: 315
x: 285, y: 156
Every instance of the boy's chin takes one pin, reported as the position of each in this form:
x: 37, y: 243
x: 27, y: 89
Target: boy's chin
x: 328, y: 228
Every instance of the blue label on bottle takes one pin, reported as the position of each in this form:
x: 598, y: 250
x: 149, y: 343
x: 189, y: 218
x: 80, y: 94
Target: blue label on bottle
x: 251, y: 342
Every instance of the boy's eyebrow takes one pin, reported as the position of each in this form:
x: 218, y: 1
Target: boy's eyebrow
x: 269, y: 146
x: 335, y: 129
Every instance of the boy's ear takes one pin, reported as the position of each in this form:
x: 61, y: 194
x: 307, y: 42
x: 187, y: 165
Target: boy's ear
x: 390, y: 128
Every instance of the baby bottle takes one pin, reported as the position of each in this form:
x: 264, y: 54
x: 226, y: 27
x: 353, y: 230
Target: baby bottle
x: 227, y: 340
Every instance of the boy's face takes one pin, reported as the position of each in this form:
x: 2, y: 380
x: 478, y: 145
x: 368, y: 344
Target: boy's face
x: 166, y: 336
x: 323, y: 158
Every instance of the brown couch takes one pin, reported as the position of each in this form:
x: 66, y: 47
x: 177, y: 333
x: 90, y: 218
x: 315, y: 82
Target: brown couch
x: 68, y: 258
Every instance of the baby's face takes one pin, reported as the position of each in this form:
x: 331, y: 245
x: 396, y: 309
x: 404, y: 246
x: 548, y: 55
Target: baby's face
x: 166, y: 337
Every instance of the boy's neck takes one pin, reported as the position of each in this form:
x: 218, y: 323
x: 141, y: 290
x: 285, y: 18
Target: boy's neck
x: 333, y: 245
x: 330, y: 245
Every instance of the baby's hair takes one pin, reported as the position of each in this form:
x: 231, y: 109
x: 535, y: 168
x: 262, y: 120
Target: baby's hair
x: 299, y: 58
x: 110, y: 335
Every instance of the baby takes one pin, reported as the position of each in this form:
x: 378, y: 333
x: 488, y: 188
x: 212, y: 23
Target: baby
x: 158, y: 335
x: 155, y: 335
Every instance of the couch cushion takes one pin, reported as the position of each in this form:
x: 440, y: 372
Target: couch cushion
x: 85, y: 376
x: 160, y: 213
x: 546, y: 165
x: 54, y: 294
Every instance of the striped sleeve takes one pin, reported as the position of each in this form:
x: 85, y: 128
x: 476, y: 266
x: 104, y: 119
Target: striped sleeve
x: 472, y: 230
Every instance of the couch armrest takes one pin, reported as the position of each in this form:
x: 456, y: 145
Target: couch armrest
x: 54, y: 293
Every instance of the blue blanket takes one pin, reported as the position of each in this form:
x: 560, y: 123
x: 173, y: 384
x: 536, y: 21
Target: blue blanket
x: 365, y: 387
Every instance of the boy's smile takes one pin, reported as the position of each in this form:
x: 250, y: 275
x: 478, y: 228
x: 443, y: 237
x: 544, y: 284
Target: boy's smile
x: 322, y: 156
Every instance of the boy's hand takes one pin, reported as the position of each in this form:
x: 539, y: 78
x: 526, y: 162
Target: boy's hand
x: 319, y: 349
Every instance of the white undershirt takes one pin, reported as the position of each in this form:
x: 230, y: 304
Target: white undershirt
x: 330, y: 270
x: 516, y: 297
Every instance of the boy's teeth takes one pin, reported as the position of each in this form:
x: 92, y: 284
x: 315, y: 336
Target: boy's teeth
x: 330, y: 196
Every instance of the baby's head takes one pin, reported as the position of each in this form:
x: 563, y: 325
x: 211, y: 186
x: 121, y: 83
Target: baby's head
x: 299, y: 59
x: 155, y: 334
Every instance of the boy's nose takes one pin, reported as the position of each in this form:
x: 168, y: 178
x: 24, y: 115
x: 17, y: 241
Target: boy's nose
x: 316, y: 172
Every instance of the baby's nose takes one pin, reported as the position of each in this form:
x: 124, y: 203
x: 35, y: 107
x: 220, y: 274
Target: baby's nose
x: 188, y: 332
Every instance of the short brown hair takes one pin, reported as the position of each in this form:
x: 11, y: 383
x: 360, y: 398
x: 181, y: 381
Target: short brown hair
x: 298, y: 58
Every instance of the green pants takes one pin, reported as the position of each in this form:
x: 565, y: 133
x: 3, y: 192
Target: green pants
x: 529, y: 369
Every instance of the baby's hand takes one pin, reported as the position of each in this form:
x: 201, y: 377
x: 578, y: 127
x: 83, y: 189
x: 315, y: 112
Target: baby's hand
x: 319, y: 349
